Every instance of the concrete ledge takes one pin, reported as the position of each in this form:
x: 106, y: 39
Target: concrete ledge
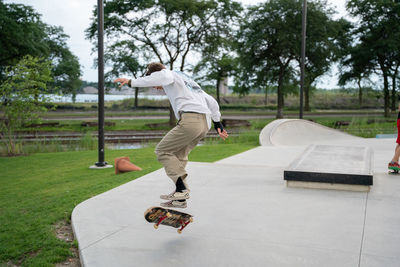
x: 332, y: 165
x: 316, y: 185
x: 331, y: 178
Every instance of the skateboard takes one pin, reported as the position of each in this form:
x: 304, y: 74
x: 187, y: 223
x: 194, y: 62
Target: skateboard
x: 391, y: 171
x: 168, y: 217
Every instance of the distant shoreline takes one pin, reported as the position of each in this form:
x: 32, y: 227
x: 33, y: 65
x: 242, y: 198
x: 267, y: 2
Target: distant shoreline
x: 93, y: 98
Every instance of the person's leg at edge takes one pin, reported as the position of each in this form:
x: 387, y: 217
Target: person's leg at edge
x: 394, y: 164
x: 396, y: 154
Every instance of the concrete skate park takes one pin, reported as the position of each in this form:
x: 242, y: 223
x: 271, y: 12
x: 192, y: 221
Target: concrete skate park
x: 260, y: 207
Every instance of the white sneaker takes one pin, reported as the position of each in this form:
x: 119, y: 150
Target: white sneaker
x: 174, y: 204
x: 176, y: 195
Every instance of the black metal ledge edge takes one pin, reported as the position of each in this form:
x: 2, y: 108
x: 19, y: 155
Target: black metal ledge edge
x: 332, y: 178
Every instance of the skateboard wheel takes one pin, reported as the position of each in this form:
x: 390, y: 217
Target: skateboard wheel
x: 179, y: 231
x: 191, y: 219
x: 168, y: 214
x: 155, y: 226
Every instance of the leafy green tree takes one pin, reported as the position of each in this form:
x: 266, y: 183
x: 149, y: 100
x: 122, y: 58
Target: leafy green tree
x: 378, y: 32
x: 325, y: 37
x: 356, y: 68
x: 23, y: 33
x: 268, y: 42
x: 121, y: 57
x: 218, y: 58
x: 22, y: 96
x: 269, y: 45
x: 66, y: 69
x: 166, y: 30
x: 217, y: 68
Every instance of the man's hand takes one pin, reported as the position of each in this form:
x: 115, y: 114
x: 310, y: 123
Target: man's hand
x: 223, y: 134
x: 220, y: 130
x: 122, y: 81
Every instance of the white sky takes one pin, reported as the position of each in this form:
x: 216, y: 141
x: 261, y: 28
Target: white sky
x: 74, y: 16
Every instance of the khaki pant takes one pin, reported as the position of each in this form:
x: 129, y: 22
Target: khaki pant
x: 173, y: 150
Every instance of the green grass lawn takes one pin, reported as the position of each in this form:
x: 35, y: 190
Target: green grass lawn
x: 40, y: 190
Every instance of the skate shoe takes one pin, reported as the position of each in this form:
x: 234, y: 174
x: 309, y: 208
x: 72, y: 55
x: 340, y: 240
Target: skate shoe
x: 176, y: 195
x: 174, y: 204
x: 394, y: 166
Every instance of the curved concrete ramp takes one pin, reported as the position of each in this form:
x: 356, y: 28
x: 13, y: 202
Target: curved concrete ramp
x: 296, y: 132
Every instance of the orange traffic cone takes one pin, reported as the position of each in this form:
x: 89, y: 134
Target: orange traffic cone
x: 123, y: 164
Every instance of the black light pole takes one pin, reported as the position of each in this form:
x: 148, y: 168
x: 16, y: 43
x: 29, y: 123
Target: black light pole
x: 303, y: 55
x: 100, y: 30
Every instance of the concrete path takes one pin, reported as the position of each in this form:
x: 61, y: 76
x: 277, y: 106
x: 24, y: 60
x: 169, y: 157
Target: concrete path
x: 244, y: 215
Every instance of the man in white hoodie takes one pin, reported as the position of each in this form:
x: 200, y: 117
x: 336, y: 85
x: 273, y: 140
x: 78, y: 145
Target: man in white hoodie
x: 194, y: 110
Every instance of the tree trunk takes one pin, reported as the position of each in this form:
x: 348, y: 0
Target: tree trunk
x: 136, y: 96
x: 172, y: 120
x: 279, y: 114
x: 266, y: 97
x: 385, y: 87
x: 218, y: 82
x: 394, y: 91
x: 386, y: 93
x: 11, y: 145
x: 359, y: 93
x: 307, y: 98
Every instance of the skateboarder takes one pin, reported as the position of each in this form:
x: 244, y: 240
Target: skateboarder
x: 394, y: 164
x: 194, y: 110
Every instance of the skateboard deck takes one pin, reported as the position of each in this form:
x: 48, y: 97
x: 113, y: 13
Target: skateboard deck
x: 173, y: 218
x: 392, y: 171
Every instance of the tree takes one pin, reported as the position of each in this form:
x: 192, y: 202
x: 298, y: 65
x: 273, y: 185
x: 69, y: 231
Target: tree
x: 217, y: 68
x: 218, y: 58
x: 66, y: 69
x: 356, y: 67
x: 22, y: 96
x: 268, y: 42
x: 121, y: 57
x: 324, y: 38
x: 166, y: 30
x: 378, y: 33
x: 23, y: 33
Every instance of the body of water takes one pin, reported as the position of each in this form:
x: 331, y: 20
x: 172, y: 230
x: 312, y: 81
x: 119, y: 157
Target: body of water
x: 93, y: 98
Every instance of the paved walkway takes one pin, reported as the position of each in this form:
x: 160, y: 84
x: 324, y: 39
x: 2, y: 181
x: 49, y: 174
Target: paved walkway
x: 244, y: 215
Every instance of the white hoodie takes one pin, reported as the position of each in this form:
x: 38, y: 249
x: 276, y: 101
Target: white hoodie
x: 183, y: 93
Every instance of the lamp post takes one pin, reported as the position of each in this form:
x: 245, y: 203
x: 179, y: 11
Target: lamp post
x: 100, y: 30
x: 303, y: 55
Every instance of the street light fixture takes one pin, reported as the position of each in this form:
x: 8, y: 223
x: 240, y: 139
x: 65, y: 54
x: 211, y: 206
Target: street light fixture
x: 100, y: 30
x: 303, y: 54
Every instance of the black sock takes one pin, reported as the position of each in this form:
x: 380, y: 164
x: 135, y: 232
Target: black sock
x: 180, y: 186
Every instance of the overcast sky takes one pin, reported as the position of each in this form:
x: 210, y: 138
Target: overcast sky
x: 74, y: 16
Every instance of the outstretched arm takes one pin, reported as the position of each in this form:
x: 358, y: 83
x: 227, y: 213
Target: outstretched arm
x: 158, y: 78
x: 122, y: 81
